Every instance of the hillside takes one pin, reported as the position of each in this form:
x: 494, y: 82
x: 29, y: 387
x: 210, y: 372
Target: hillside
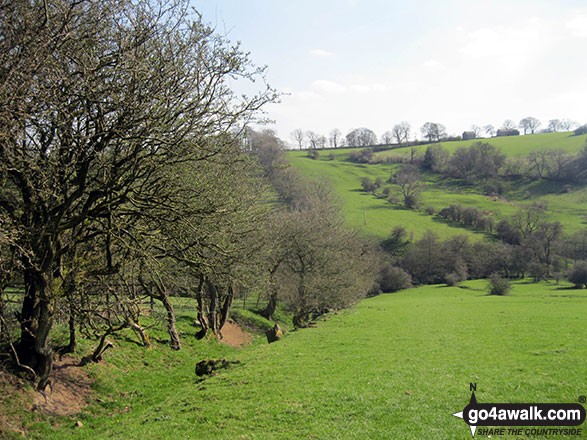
x: 376, y: 216
x: 396, y: 366
x: 512, y: 145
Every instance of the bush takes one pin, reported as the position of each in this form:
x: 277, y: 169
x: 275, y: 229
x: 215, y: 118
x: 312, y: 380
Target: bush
x: 411, y: 200
x: 386, y: 191
x: 494, y: 188
x: 429, y: 210
x: 452, y: 279
x: 394, y: 278
x: 581, y: 130
x: 313, y: 154
x: 368, y: 185
x: 364, y: 155
x: 538, y: 271
x: 578, y: 274
x: 499, y: 285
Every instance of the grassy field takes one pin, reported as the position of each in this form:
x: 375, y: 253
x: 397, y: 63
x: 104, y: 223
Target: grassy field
x: 376, y: 216
x: 510, y: 145
x: 394, y: 367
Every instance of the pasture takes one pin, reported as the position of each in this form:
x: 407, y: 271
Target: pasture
x: 375, y: 216
x: 394, y: 367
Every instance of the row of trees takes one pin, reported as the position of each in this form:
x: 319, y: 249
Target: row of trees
x: 543, y: 254
x: 359, y: 137
x: 127, y: 174
x: 482, y: 162
x: 118, y: 164
x: 400, y: 133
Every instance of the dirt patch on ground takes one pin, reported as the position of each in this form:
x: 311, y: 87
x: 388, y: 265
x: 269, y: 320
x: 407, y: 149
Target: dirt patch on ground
x: 69, y: 392
x: 234, y: 335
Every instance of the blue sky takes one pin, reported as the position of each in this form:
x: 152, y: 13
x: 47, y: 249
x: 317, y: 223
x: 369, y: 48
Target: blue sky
x: 349, y: 63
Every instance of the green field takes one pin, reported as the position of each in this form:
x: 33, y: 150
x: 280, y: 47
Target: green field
x: 510, y: 145
x: 376, y: 216
x: 394, y: 367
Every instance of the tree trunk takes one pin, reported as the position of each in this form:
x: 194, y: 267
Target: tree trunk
x: 175, y: 342
x: 271, y: 305
x: 201, y: 315
x: 226, y: 307
x: 36, y: 319
x: 140, y: 332
x: 212, y: 318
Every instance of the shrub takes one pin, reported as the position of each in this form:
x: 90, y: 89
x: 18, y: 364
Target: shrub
x: 313, y: 154
x: 499, y: 285
x: 444, y: 213
x: 494, y: 188
x: 386, y: 191
x: 538, y: 271
x: 411, y: 200
x: 364, y: 155
x: 394, y: 278
x: 429, y: 210
x: 368, y: 185
x: 581, y: 130
x: 578, y: 274
x: 452, y: 279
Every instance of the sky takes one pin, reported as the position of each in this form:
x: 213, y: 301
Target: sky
x: 373, y: 63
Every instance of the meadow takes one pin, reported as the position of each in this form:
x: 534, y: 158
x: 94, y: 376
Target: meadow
x: 375, y: 216
x: 510, y: 145
x: 394, y: 367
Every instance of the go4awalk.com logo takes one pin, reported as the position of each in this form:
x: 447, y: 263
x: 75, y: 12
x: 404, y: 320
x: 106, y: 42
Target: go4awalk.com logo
x: 522, y: 418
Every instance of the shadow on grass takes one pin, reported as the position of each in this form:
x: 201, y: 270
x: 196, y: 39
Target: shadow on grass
x: 186, y: 319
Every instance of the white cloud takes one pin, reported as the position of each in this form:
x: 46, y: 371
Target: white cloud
x: 578, y: 25
x: 432, y: 64
x: 322, y: 85
x: 367, y: 88
x: 306, y: 95
x: 321, y: 53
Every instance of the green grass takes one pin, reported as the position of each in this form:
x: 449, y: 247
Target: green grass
x: 372, y: 215
x: 395, y: 367
x: 377, y: 217
x: 510, y: 145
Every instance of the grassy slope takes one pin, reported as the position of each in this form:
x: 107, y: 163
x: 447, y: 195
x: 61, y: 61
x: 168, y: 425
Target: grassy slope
x: 381, y: 216
x: 570, y: 208
x: 396, y: 367
x: 510, y: 145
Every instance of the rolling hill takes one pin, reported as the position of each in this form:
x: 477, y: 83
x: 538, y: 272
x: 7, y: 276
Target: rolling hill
x: 374, y: 215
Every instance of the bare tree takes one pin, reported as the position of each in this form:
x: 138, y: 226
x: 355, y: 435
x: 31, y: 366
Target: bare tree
x: 386, y: 138
x: 361, y: 137
x: 298, y: 135
x: 529, y: 123
x: 489, y: 130
x: 408, y: 179
x: 433, y: 131
x: 554, y: 125
x: 335, y: 138
x: 401, y: 132
x: 477, y: 130
x: 567, y: 124
x: 313, y: 139
x: 508, y: 124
